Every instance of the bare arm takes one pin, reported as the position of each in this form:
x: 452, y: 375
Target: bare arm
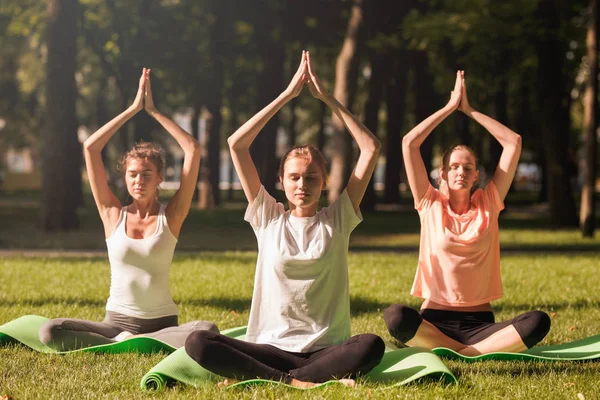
x: 510, y: 141
x: 240, y: 141
x: 418, y: 178
x: 179, y: 206
x: 107, y: 203
x: 368, y: 143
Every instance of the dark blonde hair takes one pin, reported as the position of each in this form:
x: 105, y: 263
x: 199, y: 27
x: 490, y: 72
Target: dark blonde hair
x: 309, y: 153
x: 144, y: 151
x: 446, y: 159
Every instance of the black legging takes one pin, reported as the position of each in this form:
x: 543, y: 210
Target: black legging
x: 242, y: 360
x: 464, y: 327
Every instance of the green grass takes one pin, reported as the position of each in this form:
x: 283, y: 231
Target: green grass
x: 217, y: 286
x: 212, y: 278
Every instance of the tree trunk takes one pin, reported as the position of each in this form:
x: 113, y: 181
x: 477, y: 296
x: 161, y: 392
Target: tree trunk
x: 218, y: 49
x: 396, y: 111
x: 346, y: 77
x: 143, y: 124
x: 269, y: 87
x: 231, y: 175
x: 501, y: 115
x: 587, y: 213
x: 292, y: 126
x: 61, y: 173
x: 321, y: 131
x: 378, y: 78
x: 554, y: 100
x: 196, y: 114
x: 102, y: 118
x: 425, y: 97
x: 205, y: 195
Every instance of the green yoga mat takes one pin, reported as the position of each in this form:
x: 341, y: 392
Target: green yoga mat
x: 25, y: 330
x: 398, y: 367
x: 578, y: 350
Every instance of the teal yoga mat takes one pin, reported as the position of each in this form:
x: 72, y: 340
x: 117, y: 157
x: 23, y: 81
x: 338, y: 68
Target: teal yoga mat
x: 578, y: 350
x: 25, y: 330
x: 398, y: 367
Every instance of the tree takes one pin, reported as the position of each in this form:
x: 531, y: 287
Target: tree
x: 346, y: 76
x: 554, y: 106
x: 61, y: 174
x: 587, y: 211
x: 271, y: 52
x: 218, y: 48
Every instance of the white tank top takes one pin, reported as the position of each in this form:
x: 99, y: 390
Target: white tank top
x: 139, y: 269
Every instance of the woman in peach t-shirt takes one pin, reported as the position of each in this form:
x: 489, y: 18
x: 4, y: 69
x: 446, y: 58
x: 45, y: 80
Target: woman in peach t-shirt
x: 458, y: 274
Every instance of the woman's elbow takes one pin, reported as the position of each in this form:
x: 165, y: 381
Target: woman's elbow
x: 516, y: 140
x: 234, y: 143
x: 407, y: 142
x: 376, y: 145
x: 88, y: 146
x: 196, y: 146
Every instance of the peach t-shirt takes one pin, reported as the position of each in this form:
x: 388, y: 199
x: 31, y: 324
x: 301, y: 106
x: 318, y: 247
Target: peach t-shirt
x: 459, y: 255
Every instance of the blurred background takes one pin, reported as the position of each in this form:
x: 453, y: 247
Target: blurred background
x: 69, y: 66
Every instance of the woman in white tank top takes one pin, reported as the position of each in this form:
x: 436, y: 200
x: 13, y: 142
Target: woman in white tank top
x: 299, y: 325
x: 140, y: 238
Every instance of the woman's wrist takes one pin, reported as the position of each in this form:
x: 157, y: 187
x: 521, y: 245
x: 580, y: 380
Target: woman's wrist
x: 153, y: 112
x: 132, y: 110
x: 468, y: 111
x: 449, y: 108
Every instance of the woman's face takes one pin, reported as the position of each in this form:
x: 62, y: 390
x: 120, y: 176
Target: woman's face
x: 302, y: 182
x: 142, y: 179
x: 461, y: 172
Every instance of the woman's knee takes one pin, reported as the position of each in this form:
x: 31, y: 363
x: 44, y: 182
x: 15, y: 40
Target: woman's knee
x: 532, y: 327
x: 198, y: 345
x: 374, y: 346
x: 367, y: 351
x: 402, y: 321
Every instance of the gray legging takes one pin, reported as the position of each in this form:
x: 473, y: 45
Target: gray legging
x: 70, y: 334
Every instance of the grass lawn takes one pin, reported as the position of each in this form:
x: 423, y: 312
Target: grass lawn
x: 212, y: 278
x: 217, y: 286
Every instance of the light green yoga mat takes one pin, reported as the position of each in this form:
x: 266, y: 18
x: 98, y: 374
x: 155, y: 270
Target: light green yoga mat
x: 398, y: 367
x: 578, y: 350
x: 25, y: 330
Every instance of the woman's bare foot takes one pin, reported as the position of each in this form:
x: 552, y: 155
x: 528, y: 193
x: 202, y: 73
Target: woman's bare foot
x: 348, y: 382
x: 307, y: 385
x: 226, y: 382
x: 302, y: 384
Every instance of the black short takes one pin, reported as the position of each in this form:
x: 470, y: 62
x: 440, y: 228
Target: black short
x: 463, y: 326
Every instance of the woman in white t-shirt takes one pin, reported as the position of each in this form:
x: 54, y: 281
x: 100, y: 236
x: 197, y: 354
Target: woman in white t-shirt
x: 299, y: 325
x: 140, y: 238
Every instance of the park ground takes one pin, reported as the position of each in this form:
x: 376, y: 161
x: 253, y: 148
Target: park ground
x: 67, y: 274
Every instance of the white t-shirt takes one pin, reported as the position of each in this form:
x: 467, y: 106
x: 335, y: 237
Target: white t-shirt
x: 139, y: 283
x: 301, y: 298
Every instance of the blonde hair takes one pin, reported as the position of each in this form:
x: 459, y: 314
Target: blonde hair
x: 143, y: 151
x: 309, y: 153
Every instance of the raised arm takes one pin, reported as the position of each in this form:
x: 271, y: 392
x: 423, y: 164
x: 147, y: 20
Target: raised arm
x: 510, y: 141
x: 418, y: 178
x: 179, y: 206
x: 368, y: 143
x: 108, y: 204
x: 240, y: 141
